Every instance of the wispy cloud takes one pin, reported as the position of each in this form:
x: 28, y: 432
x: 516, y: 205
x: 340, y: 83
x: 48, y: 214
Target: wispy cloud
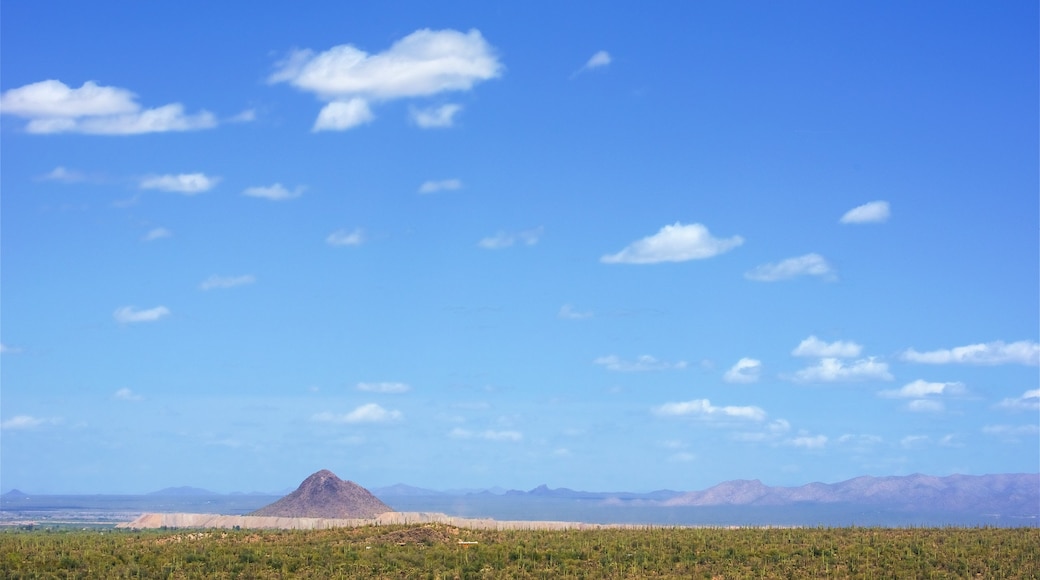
x: 704, y: 409
x: 346, y: 238
x: 385, y: 388
x: 370, y: 413
x: 424, y: 63
x: 600, y: 60
x: 8, y: 349
x: 489, y: 435
x: 868, y: 213
x: 674, y: 243
x: 186, y: 183
x: 920, y: 389
x: 1029, y: 401
x: 125, y: 394
x: 925, y: 406
x: 215, y: 282
x: 20, y: 422
x: 1023, y: 352
x: 808, y: 441
x: 508, y: 239
x: 276, y: 192
x: 130, y: 314
x: 53, y: 107
x: 441, y: 185
x: 567, y: 312
x: 833, y: 370
x: 642, y: 363
x: 1012, y: 433
x: 64, y: 175
x: 747, y: 370
x: 156, y: 234
x: 435, y: 117
x: 807, y: 265
x: 816, y: 348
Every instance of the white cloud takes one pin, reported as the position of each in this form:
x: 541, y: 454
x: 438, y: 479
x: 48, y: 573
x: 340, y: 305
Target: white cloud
x: 490, y: 435
x: 8, y: 349
x: 809, y: 441
x: 567, y: 312
x: 926, y: 406
x: 386, y: 388
x: 186, y: 183
x: 53, y: 107
x: 1029, y: 401
x: 26, y: 422
x: 442, y: 185
x: 345, y: 238
x: 816, y: 348
x: 807, y: 265
x: 991, y: 353
x: 246, y: 116
x: 873, y: 212
x: 125, y: 394
x: 704, y: 408
x: 598, y: 60
x: 913, y: 440
x: 920, y: 389
x: 507, y: 239
x: 435, y: 117
x: 747, y: 370
x: 424, y: 63
x: 343, y: 115
x: 674, y: 243
x: 832, y: 370
x: 64, y: 175
x: 682, y: 457
x: 1012, y: 432
x: 276, y: 192
x: 226, y: 281
x: 156, y: 234
x: 130, y: 314
x: 642, y: 363
x: 370, y: 413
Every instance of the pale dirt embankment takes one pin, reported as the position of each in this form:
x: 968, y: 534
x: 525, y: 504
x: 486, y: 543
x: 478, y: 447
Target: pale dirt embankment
x: 180, y: 520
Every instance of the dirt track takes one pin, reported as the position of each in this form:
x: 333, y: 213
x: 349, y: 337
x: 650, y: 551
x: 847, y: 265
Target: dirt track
x: 180, y: 520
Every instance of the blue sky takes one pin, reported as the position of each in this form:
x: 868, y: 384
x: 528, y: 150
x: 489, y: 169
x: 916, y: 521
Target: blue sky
x: 626, y: 247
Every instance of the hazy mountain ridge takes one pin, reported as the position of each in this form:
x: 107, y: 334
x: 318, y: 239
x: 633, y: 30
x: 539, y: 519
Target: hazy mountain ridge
x: 1003, y: 493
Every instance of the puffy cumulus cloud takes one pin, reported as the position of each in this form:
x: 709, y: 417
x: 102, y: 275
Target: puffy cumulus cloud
x: 386, y: 388
x: 833, y: 370
x: 816, y: 348
x: 747, y: 370
x: 434, y: 186
x: 1029, y: 401
x: 370, y: 413
x: 343, y: 115
x: 704, y: 409
x: 219, y: 282
x: 424, y: 63
x: 156, y: 234
x: 674, y: 243
x: 507, y: 239
x: 186, y: 183
x: 435, y: 117
x: 807, y: 265
x: 131, y: 315
x: 489, y: 435
x: 276, y: 192
x: 53, y: 107
x: 345, y: 238
x: 868, y: 213
x: 920, y: 389
x: 642, y: 363
x: 125, y: 394
x: 1023, y: 352
x: 567, y: 312
x: 19, y: 422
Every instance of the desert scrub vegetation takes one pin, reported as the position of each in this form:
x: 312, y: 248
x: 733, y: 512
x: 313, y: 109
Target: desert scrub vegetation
x: 434, y: 551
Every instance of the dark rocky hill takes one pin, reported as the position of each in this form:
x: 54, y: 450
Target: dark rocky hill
x: 323, y: 495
